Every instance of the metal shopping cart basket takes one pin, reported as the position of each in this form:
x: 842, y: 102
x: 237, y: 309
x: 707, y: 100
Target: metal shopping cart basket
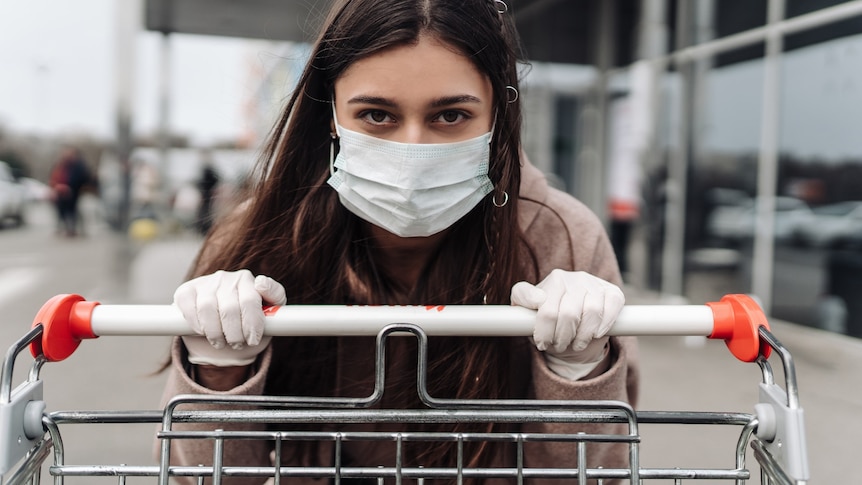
x: 774, y: 431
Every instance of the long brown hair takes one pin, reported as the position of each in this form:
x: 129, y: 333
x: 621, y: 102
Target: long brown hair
x: 296, y: 231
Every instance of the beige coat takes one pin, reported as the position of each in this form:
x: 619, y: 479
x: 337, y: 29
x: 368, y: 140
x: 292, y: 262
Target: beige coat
x: 561, y: 233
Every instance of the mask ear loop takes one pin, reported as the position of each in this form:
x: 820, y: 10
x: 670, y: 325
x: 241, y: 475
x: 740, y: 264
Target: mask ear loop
x: 505, y: 194
x: 333, y: 137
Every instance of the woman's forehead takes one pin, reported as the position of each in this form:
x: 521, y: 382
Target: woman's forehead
x: 428, y: 69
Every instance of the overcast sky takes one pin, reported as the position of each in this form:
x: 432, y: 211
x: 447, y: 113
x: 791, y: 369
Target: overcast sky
x: 58, y: 65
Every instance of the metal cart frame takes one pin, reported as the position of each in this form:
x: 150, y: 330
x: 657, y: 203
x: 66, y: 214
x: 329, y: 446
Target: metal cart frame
x: 774, y: 431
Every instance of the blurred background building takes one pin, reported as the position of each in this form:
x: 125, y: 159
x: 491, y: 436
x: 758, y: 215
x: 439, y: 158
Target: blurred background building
x: 718, y: 139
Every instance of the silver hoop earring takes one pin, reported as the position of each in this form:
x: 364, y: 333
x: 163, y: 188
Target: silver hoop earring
x: 501, y: 6
x: 510, y: 92
x: 505, y: 199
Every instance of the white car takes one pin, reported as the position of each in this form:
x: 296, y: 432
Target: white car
x: 832, y: 226
x: 13, y: 198
x: 735, y: 223
x: 34, y: 190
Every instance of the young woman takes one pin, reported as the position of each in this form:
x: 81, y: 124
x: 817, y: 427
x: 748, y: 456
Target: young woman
x: 395, y: 176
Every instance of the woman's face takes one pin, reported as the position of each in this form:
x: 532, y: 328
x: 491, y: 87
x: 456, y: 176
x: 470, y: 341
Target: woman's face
x: 423, y: 93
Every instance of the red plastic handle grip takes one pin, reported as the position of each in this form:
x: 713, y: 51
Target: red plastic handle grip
x: 66, y: 321
x: 737, y: 321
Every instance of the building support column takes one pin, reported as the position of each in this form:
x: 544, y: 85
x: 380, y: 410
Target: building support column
x: 763, y: 265
x: 591, y: 164
x: 693, y: 26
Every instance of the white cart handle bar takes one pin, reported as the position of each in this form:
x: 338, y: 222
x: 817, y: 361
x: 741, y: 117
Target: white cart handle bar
x: 68, y: 318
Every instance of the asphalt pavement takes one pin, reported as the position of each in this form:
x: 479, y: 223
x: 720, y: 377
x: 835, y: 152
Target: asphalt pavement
x: 677, y: 373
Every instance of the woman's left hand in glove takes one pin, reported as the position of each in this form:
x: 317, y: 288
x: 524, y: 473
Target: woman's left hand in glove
x: 575, y: 311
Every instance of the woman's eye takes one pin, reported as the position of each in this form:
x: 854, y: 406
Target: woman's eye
x: 450, y: 117
x: 376, y: 116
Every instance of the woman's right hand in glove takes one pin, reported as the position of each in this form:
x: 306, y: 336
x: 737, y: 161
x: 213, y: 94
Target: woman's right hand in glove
x: 225, y: 309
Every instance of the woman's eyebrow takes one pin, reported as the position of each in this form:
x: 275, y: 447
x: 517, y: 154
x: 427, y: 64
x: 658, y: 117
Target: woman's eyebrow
x: 367, y: 99
x: 457, y: 99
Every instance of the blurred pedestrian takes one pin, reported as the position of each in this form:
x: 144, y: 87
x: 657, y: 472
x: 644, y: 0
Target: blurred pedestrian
x: 623, y: 215
x: 207, y: 184
x: 145, y: 187
x: 68, y: 178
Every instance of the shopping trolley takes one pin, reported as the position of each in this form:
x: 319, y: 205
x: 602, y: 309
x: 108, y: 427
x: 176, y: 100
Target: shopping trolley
x: 30, y: 434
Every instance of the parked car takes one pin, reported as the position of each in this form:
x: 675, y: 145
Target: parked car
x: 35, y: 191
x: 833, y: 226
x: 731, y: 224
x: 13, y: 197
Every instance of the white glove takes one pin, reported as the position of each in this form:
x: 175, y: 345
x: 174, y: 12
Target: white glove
x: 227, y: 309
x: 575, y: 312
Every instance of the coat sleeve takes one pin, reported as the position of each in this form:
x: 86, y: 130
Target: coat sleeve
x: 562, y: 233
x: 194, y: 452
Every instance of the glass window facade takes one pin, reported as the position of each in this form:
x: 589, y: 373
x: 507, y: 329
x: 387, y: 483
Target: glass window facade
x: 737, y: 123
x: 812, y: 230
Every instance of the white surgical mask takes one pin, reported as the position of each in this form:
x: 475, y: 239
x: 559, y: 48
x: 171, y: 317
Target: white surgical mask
x: 410, y: 189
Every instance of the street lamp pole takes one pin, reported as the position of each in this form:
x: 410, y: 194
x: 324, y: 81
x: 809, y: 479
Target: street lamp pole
x: 127, y: 25
x: 165, y: 110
